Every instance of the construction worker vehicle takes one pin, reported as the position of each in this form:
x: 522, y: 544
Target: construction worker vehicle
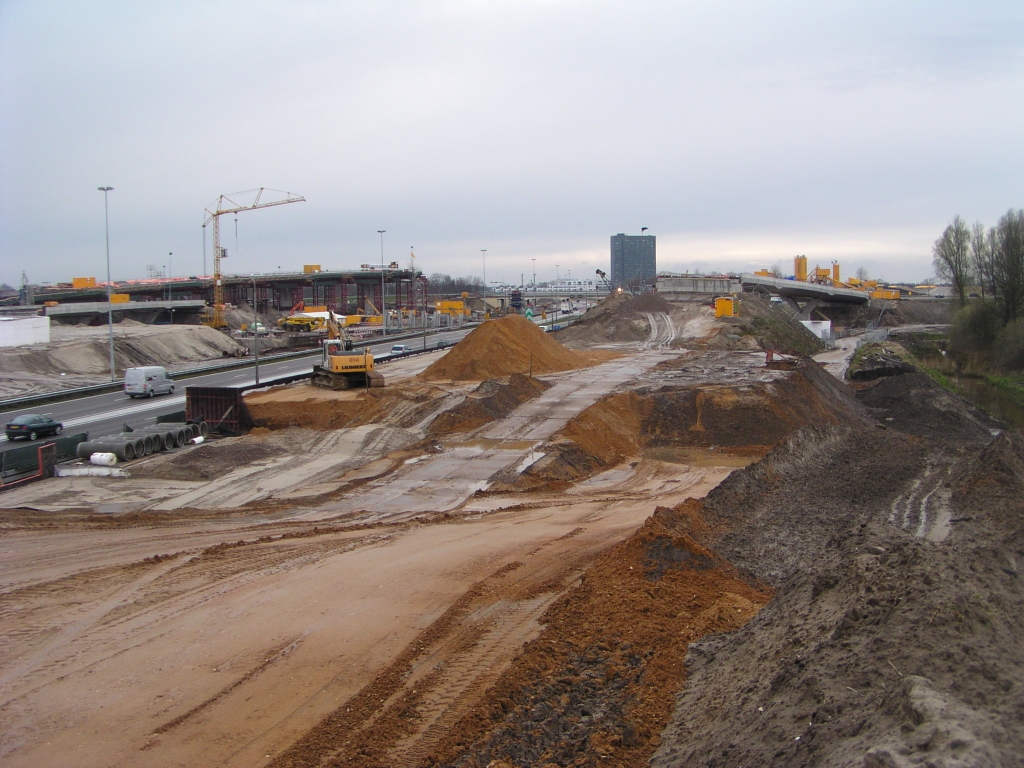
x: 341, y: 366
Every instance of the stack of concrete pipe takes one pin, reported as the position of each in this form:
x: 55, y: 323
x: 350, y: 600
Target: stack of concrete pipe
x: 142, y: 442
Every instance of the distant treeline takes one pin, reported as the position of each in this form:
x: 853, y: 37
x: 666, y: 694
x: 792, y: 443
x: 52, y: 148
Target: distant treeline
x: 446, y: 285
x: 985, y: 266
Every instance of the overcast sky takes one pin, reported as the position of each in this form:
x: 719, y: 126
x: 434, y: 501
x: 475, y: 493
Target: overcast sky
x: 740, y: 133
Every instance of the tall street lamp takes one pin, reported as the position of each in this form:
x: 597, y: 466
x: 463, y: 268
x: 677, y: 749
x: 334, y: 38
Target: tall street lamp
x: 383, y: 313
x: 110, y: 311
x: 534, y: 275
x: 483, y: 255
x: 255, y: 329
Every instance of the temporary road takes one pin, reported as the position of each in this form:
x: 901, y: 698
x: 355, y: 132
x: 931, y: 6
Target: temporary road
x: 106, y: 414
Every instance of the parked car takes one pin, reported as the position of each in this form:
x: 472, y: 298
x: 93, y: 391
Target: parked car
x: 442, y: 344
x: 31, y: 426
x: 147, y: 381
x: 400, y: 349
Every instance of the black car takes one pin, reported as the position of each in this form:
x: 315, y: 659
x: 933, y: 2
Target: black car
x: 32, y: 425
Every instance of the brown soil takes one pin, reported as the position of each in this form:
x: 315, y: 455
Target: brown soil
x: 207, y: 461
x: 306, y: 406
x: 895, y: 313
x: 885, y: 645
x: 623, y: 318
x: 598, y: 686
x: 745, y: 420
x: 773, y: 328
x: 493, y: 399
x: 852, y: 598
x: 879, y: 359
x: 915, y: 404
x: 502, y: 347
x: 882, y: 647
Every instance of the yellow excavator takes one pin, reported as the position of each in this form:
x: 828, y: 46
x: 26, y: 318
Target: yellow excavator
x: 342, y: 367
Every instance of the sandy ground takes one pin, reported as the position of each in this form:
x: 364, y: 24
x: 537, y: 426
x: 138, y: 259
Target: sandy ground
x: 601, y: 574
x: 217, y: 607
x: 212, y: 656
x: 78, y: 356
x: 837, y: 360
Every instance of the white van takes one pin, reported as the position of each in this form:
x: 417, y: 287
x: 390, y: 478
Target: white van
x: 147, y: 381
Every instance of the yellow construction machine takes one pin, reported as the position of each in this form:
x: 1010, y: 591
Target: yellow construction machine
x: 342, y: 367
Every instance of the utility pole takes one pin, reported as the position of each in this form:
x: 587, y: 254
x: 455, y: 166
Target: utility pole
x: 383, y: 303
x: 255, y: 329
x: 110, y: 311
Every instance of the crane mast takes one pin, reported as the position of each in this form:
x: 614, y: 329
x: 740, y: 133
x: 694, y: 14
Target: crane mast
x: 225, y: 204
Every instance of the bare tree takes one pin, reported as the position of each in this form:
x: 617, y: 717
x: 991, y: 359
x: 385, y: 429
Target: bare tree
x: 776, y: 270
x: 952, y: 256
x: 1007, y: 244
x: 862, y: 274
x: 981, y: 256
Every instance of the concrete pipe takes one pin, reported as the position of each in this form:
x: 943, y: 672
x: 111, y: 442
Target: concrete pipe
x: 203, y: 429
x: 147, y: 443
x: 169, y: 433
x: 124, y: 450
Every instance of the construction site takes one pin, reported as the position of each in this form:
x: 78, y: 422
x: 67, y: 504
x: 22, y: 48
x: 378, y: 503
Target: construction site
x: 667, y: 535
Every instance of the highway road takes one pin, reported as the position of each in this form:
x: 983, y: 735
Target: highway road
x: 106, y: 414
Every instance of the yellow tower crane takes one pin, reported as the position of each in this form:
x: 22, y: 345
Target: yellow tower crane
x: 229, y: 204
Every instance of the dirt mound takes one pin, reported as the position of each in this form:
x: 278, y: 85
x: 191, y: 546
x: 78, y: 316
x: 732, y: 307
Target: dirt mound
x: 502, y: 347
x: 307, y: 406
x: 745, y: 420
x: 209, y: 461
x: 597, y: 686
x: 78, y: 355
x: 877, y: 649
x: 895, y: 313
x: 493, y: 399
x: 873, y: 361
x: 623, y: 318
x: 915, y: 404
x: 773, y: 328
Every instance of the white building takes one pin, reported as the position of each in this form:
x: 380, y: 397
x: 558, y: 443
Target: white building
x: 23, y: 331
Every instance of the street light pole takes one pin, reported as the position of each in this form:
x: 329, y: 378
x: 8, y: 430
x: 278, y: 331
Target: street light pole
x: 110, y: 311
x: 534, y: 275
x: 383, y: 312
x: 255, y: 329
x: 483, y: 255
x: 170, y: 290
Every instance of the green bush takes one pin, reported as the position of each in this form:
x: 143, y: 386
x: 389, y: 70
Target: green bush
x: 974, y: 330
x: 1008, y: 351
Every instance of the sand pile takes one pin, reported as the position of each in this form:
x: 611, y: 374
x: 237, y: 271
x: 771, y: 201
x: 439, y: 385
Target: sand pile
x: 650, y: 320
x: 599, y: 684
x: 80, y: 355
x: 303, y: 405
x: 502, y: 347
x: 493, y: 399
x: 672, y: 423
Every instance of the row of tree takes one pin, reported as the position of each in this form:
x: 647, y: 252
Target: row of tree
x: 446, y: 285
x: 991, y: 259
